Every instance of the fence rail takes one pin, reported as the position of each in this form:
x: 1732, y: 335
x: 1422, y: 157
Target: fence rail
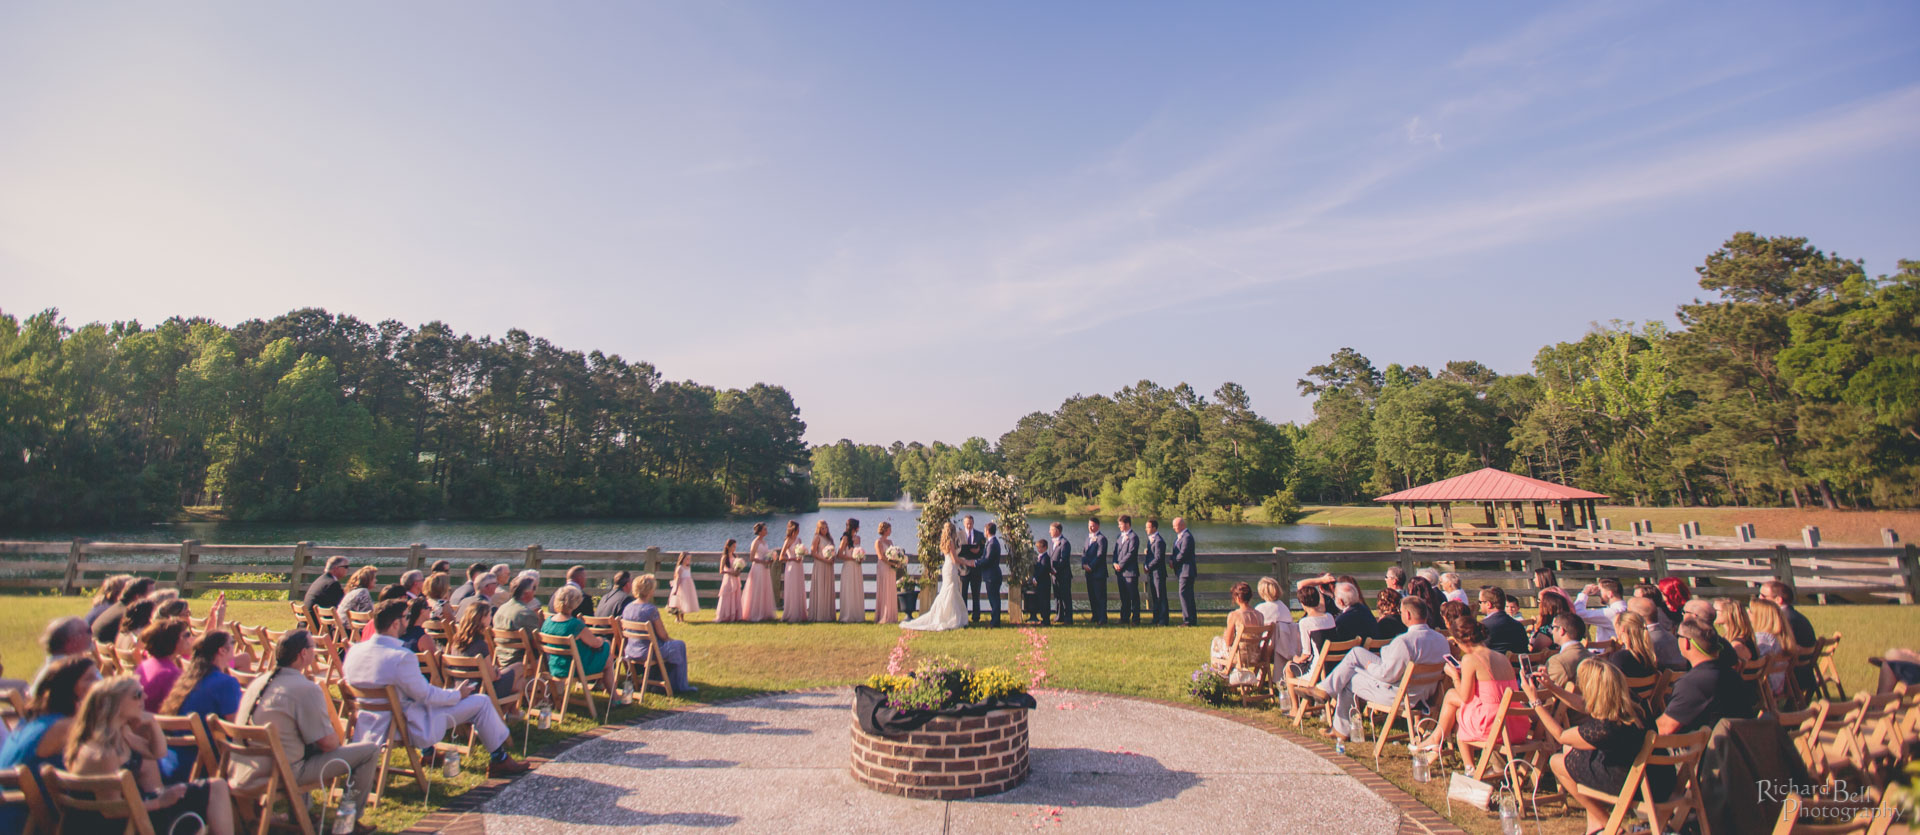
x: 1885, y: 572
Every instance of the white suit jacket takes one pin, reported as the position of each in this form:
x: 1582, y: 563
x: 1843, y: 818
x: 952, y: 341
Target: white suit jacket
x: 385, y: 661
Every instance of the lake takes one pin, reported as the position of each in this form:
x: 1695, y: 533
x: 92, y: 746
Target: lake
x: 683, y: 534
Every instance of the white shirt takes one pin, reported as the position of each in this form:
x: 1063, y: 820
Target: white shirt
x: 1286, y: 633
x: 383, y: 661
x: 1309, y: 625
x: 1600, y: 619
x: 1458, y: 594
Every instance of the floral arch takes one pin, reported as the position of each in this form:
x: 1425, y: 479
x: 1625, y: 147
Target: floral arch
x: 998, y: 495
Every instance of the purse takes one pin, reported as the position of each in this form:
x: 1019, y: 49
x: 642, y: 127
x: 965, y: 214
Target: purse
x: 1475, y: 793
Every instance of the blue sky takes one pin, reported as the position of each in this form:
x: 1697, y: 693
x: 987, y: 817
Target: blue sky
x: 929, y: 219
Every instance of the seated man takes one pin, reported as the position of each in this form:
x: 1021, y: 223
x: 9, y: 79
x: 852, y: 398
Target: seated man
x: 519, y: 614
x: 1666, y: 645
x: 1568, y: 633
x: 292, y: 705
x: 1601, y: 617
x: 1504, y: 634
x: 430, y: 711
x: 1354, y: 620
x: 1375, y: 678
x: 1712, y: 690
x: 468, y: 588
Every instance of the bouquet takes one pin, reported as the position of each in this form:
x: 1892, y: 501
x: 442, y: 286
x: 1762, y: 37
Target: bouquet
x: 896, y: 557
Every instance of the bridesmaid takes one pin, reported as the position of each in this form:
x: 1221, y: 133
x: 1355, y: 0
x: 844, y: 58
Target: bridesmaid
x: 886, y: 597
x: 728, y: 610
x: 821, y: 592
x: 759, y: 602
x: 794, y: 597
x: 684, y: 600
x: 853, y: 589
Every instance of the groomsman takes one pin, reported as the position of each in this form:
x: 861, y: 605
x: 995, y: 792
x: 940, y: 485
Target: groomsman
x: 970, y: 576
x: 1094, y: 563
x: 1126, y: 569
x: 1156, y: 573
x: 1060, y: 555
x: 1182, y: 559
x: 987, y: 576
x: 1039, y: 587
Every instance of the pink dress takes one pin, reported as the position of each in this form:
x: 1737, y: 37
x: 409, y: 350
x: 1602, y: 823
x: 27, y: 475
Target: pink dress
x: 853, y: 587
x: 759, y: 602
x: 794, y: 597
x: 728, y: 609
x: 821, y: 592
x: 1479, y: 713
x: 683, y: 596
x: 886, y: 593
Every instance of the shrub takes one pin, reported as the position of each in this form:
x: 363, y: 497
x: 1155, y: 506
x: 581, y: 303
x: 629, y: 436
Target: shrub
x: 247, y: 594
x: 1208, y: 686
x: 1282, y: 508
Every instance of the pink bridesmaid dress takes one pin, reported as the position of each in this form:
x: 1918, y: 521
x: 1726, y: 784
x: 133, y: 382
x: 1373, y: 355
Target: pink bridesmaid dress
x: 759, y: 602
x: 683, y: 596
x: 821, y: 593
x: 886, y: 593
x: 853, y: 588
x: 794, y: 597
x: 728, y: 609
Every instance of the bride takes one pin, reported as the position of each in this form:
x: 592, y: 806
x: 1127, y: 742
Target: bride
x: 949, y: 609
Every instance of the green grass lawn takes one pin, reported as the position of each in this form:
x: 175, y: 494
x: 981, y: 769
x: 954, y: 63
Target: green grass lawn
x: 731, y: 660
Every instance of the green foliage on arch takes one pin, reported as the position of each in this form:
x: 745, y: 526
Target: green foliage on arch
x: 999, y: 495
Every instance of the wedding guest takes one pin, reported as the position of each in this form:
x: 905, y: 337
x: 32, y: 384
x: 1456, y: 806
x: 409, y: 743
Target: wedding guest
x: 1551, y: 607
x: 413, y: 583
x: 115, y: 733
x: 325, y: 592
x: 1396, y: 579
x: 592, y: 649
x: 1453, y: 610
x: 1504, y: 633
x: 617, y: 597
x: 485, y: 589
x: 1286, y: 634
x: 1431, y: 575
x: 415, y: 636
x: 682, y: 598
x: 165, y: 643
x: 1059, y: 556
x: 393, y: 591
x: 429, y: 711
x: 1093, y: 565
x: 988, y: 570
x: 757, y: 601
x: 1569, y: 635
x: 1481, y: 679
x: 206, y: 688
x: 577, y: 578
x: 359, y: 594
x: 1388, y: 625
x: 1634, y: 653
x: 886, y: 584
x: 1354, y: 620
x: 1651, y: 593
x: 1313, y: 619
x: 1660, y: 634
x: 672, y: 652
x: 793, y: 598
x: 139, y: 616
x: 1898, y: 666
x: 440, y: 567
x: 853, y: 586
x: 1375, y: 679
x: 1156, y: 566
x: 1673, y: 598
x: 438, y: 593
x: 1227, y: 644
x: 1513, y: 610
x: 1184, y: 564
x: 1424, y: 589
x: 65, y: 637
x: 1601, y: 750
x: 1772, y: 636
x: 518, y: 614
x: 106, y: 625
x: 1700, y: 609
x: 108, y: 595
x: 820, y: 593
x: 1601, y: 617
x: 473, y: 638
x: 468, y: 589
x: 1544, y: 580
x: 503, y: 578
x: 41, y: 737
x: 1450, y: 586
x: 1731, y: 619
x: 1711, y: 690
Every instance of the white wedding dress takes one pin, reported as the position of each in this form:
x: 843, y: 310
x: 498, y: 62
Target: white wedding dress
x: 949, y: 609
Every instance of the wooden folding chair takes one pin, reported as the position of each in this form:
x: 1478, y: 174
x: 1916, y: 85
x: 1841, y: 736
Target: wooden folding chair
x: 1376, y: 644
x: 533, y: 667
x: 1604, y: 647
x: 262, y: 743
x: 128, y: 660
x: 357, y: 625
x: 564, y: 647
x: 299, y: 614
x: 1803, y: 728
x: 188, y: 732
x: 458, y: 668
x: 1754, y: 673
x: 430, y: 668
x: 1500, y: 753
x: 1299, y: 688
x: 1430, y: 677
x: 1257, y: 644
x: 17, y: 786
x: 608, y: 628
x: 1682, y: 751
x: 1826, y: 677
x: 441, y: 632
x: 1650, y: 691
x: 115, y: 797
x: 329, y: 623
x: 642, y: 631
x: 1841, y: 746
x: 387, y: 700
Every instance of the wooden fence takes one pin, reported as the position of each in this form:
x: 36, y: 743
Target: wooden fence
x: 71, y: 567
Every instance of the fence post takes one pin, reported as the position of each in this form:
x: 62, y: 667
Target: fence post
x: 1283, y: 569
x: 302, y: 552
x: 1406, y: 568
x: 72, y: 580
x: 1534, y: 563
x: 1657, y: 564
x: 1911, y: 562
x: 653, y: 567
x: 533, y: 557
x: 414, y: 555
x: 1810, y: 536
x: 1686, y: 533
x: 1890, y: 537
x: 189, y: 554
x: 1783, y: 565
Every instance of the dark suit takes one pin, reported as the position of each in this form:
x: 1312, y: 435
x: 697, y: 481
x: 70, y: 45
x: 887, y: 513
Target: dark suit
x: 986, y: 578
x: 324, y: 593
x: 1157, y: 578
x: 1184, y: 567
x: 1060, y: 554
x: 1126, y: 554
x: 969, y: 547
x: 1803, y: 635
x: 1504, y: 634
x: 1352, y: 622
x: 1093, y: 562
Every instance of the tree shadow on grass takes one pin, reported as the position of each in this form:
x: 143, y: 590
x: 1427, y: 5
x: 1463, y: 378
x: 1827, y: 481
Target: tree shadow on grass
x: 577, y: 800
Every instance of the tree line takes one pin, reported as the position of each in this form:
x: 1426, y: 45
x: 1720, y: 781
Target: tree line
x: 311, y: 415
x: 1795, y: 382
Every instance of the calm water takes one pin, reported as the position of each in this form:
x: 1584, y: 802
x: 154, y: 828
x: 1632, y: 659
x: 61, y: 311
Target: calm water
x: 682, y: 534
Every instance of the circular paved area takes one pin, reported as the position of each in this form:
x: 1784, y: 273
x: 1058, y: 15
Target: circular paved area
x: 779, y: 764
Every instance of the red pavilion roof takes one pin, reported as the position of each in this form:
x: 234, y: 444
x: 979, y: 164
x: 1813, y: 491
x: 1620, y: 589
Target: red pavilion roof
x: 1490, y: 485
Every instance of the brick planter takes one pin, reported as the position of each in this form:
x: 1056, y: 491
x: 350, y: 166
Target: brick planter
x: 947, y: 759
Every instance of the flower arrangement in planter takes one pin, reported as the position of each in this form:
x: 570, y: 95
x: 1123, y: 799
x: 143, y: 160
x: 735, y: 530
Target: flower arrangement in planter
x: 943, y: 683
x: 944, y: 731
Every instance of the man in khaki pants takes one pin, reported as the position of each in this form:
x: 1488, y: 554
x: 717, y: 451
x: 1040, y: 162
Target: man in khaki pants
x: 293, y: 706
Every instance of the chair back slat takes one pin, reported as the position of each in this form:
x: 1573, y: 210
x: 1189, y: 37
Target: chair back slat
x: 111, y: 796
x: 189, y: 732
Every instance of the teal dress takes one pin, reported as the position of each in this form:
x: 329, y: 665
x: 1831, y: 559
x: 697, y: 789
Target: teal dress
x: 594, y: 660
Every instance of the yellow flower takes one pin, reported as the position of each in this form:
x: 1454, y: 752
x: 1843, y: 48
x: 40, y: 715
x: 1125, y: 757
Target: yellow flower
x: 994, y: 683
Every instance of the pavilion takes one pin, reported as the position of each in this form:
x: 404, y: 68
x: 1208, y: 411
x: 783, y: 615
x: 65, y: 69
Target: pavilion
x: 1503, y: 498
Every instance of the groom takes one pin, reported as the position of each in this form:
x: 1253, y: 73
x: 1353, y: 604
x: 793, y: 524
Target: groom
x: 987, y: 577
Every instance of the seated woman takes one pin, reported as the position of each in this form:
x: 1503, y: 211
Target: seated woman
x: 41, y: 737
x: 439, y: 588
x: 1772, y: 635
x: 672, y: 652
x: 1731, y: 618
x: 415, y: 637
x: 359, y: 596
x: 139, y: 616
x: 1227, y: 643
x: 115, y: 732
x: 1422, y: 587
x: 1313, y: 618
x: 1286, y: 634
x: 1481, y: 678
x: 1388, y: 626
x: 1600, y: 750
x: 204, y: 689
x: 473, y: 638
x: 593, y: 649
x: 166, y: 643
x: 1633, y: 652
x: 1552, y: 605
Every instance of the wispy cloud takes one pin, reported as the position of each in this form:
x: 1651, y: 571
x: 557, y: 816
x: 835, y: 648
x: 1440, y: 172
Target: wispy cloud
x: 1536, y: 39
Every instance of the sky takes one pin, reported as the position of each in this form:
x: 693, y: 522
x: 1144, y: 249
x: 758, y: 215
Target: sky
x: 927, y: 220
